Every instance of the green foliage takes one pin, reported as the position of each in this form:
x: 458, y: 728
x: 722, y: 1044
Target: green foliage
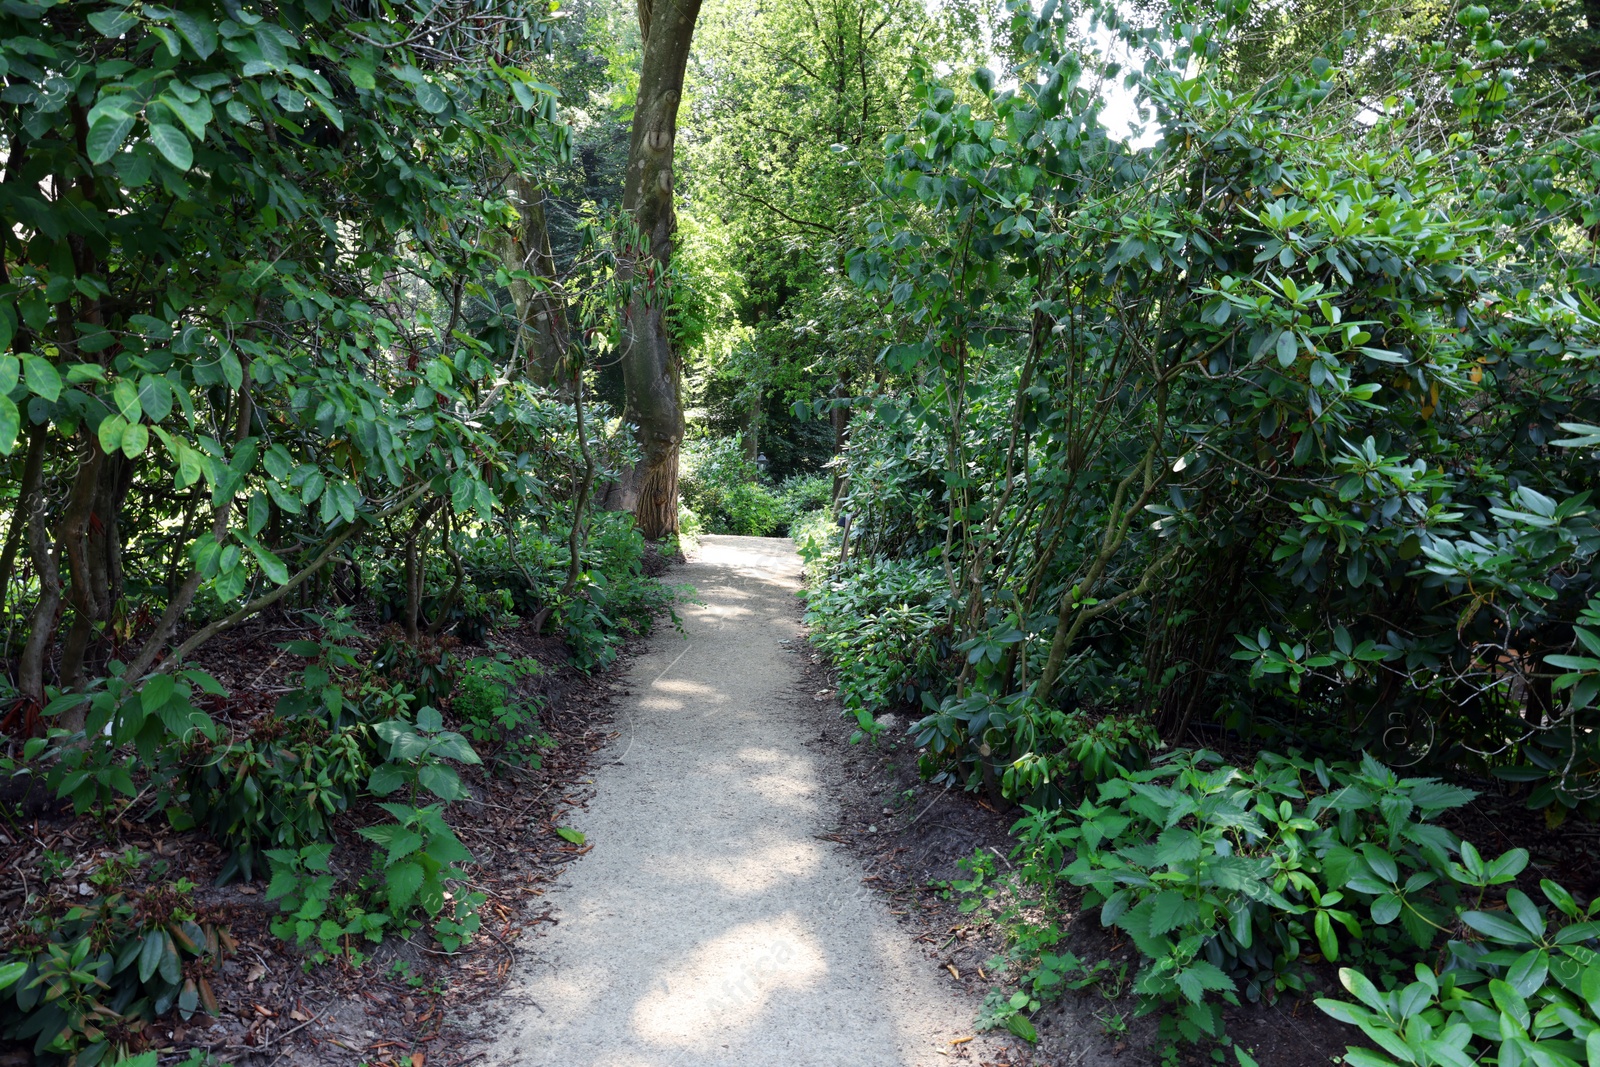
x: 614, y: 599
x: 420, y: 853
x: 416, y: 857
x: 315, y: 915
x: 81, y: 979
x: 816, y: 538
x: 415, y: 760
x: 1033, y: 927
x: 491, y: 710
x: 1275, y: 368
x: 1563, y: 753
x: 124, y: 727
x: 725, y: 494
x: 1070, y: 754
x: 882, y: 625
x: 281, y: 785
x: 1524, y: 989
x: 1228, y: 880
x: 721, y: 487
x: 792, y: 104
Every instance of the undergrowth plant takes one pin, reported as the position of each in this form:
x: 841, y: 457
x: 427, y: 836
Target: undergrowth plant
x: 492, y: 710
x: 1229, y: 880
x: 1522, y: 986
x: 82, y: 979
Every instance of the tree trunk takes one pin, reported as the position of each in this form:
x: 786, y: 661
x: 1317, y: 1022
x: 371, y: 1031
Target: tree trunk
x: 47, y: 565
x: 541, y: 309
x: 839, y: 415
x: 752, y: 427
x: 651, y: 371
x: 32, y: 467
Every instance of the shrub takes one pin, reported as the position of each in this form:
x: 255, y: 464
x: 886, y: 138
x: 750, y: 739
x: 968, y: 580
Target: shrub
x: 1227, y: 880
x: 1525, y: 990
x: 493, y: 713
x: 83, y: 979
x: 883, y: 626
x: 720, y: 486
x: 816, y: 538
x: 802, y: 495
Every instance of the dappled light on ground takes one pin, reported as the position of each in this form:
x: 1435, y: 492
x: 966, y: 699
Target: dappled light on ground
x: 710, y: 925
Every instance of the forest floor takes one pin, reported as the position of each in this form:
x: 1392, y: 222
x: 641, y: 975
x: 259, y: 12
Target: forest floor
x: 754, y: 887
x: 718, y: 917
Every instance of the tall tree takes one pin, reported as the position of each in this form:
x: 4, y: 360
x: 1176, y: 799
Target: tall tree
x: 652, y: 371
x: 791, y: 101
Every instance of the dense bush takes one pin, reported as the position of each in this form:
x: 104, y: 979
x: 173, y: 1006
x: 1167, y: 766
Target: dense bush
x: 1228, y: 881
x: 881, y: 628
x: 1272, y: 421
x: 82, y: 978
x: 725, y: 494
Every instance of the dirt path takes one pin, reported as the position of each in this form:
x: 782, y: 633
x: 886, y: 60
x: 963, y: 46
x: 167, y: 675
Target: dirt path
x: 711, y: 924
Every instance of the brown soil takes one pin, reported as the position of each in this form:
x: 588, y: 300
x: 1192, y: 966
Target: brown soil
x: 393, y: 1009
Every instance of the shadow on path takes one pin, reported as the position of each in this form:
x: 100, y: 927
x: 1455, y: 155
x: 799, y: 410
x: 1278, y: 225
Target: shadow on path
x: 710, y: 925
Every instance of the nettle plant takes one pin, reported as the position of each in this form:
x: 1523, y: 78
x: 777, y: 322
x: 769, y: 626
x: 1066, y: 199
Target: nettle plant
x: 493, y: 712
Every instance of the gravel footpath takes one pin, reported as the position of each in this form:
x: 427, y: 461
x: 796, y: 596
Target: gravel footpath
x: 713, y: 923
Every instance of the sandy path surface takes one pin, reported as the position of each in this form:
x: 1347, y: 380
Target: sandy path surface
x: 710, y: 925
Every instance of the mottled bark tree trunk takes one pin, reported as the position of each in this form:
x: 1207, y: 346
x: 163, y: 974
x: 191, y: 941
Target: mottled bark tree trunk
x: 652, y: 373
x: 542, y: 309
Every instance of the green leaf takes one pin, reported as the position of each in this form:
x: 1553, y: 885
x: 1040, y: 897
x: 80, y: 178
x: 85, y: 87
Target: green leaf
x: 156, y: 694
x: 113, y: 22
x: 135, y: 439
x: 172, y: 144
x: 1509, y: 1001
x: 107, y: 134
x: 200, y: 33
x: 443, y: 782
x: 1170, y: 910
x: 194, y: 117
x: 402, y: 844
x: 125, y: 394
x: 403, y: 880
x: 1288, y: 348
x: 1019, y: 1025
x: 388, y: 777
x: 1526, y: 911
x: 1527, y: 975
x: 110, y: 432
x: 10, y: 425
x: 1361, y: 1057
x: 1362, y: 988
x: 41, y: 376
x: 569, y: 834
x: 431, y: 97
x: 1326, y: 939
x: 150, y: 954
x: 275, y: 569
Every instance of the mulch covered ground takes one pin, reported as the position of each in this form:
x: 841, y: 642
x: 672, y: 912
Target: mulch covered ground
x: 395, y: 1008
